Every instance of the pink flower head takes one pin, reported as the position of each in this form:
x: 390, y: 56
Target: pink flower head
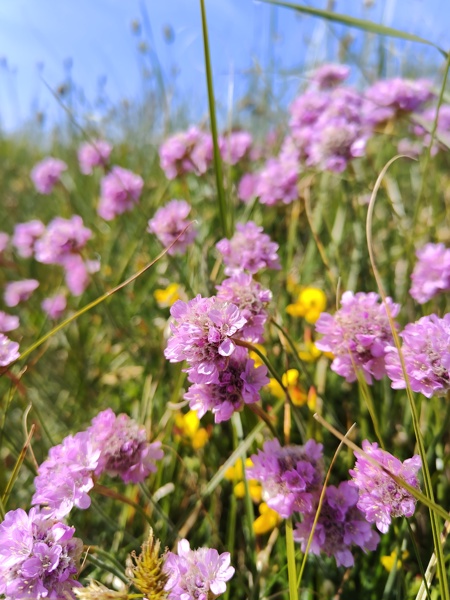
x: 431, y: 273
x: 120, y: 191
x: 25, y: 237
x: 341, y: 525
x: 202, y: 335
x: 61, y: 239
x: 47, y: 173
x: 277, y: 181
x: 8, y: 322
x: 197, y: 574
x: 328, y: 76
x: 93, y: 154
x: 54, y: 307
x: 77, y: 273
x: 358, y: 334
x: 239, y: 383
x: 248, y: 250
x: 426, y: 353
x: 380, y: 497
x: 9, y: 351
x: 123, y: 445
x: 235, y: 146
x: 247, y: 187
x: 19, y: 291
x: 168, y: 223
x: 290, y: 476
x: 186, y: 152
x: 251, y: 299
x: 39, y: 557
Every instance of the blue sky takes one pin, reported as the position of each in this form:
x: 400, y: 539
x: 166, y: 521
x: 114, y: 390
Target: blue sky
x: 38, y: 36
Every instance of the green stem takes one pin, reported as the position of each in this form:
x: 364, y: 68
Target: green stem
x: 290, y: 552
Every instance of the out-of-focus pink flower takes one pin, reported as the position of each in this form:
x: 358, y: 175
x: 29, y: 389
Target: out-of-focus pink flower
x: 54, y: 307
x: 46, y: 173
x: 120, y: 191
x: 93, y: 154
x: 9, y: 351
x: 19, y: 291
x: 25, y: 237
x: 168, y: 223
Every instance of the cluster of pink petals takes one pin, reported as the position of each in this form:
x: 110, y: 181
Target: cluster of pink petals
x: 202, y: 335
x: 46, y: 174
x: 340, y: 526
x: 8, y: 322
x: 250, y: 249
x: 238, y: 384
x: 380, y: 497
x: 19, y: 291
x: 291, y: 476
x: 113, y: 444
x: 426, y: 354
x: 93, y: 154
x: 329, y: 75
x: 199, y: 574
x: 169, y: 222
x: 358, y: 335
x: 39, y: 557
x: 186, y: 152
x: 9, y: 351
x: 25, y: 237
x: 55, y: 306
x: 431, y: 274
x: 120, y: 191
x: 387, y: 98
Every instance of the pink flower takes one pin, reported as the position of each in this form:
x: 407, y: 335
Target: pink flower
x: 47, y: 173
x: 54, y: 307
x: 93, y: 154
x: 19, y: 291
x: 120, y: 191
x: 9, y: 351
x: 168, y: 223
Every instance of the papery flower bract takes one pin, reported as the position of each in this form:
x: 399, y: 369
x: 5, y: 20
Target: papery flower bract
x: 426, y: 353
x: 201, y: 335
x: 124, y: 449
x: 8, y: 322
x: 197, y: 574
x: 25, y: 236
x: 380, y: 497
x: 19, y: 291
x: 311, y: 302
x: 54, y: 307
x: 93, y: 154
x: 168, y: 223
x: 357, y: 335
x: 250, y: 298
x: 39, y: 557
x: 431, y: 273
x: 46, y: 173
x: 248, y: 250
x: 238, y: 383
x: 65, y: 478
x: 120, y: 191
x: 340, y: 526
x: 291, y: 475
x: 9, y: 351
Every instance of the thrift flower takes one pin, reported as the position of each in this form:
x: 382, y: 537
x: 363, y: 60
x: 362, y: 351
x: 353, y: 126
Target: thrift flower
x: 380, y: 497
x: 39, y: 557
x: 25, y: 237
x: 277, y: 180
x: 386, y: 99
x: 431, y: 273
x: 235, y: 146
x: 291, y: 475
x: 19, y: 291
x: 168, y: 223
x: 238, y: 383
x: 62, y: 238
x: 358, y: 335
x: 197, y: 574
x: 248, y: 250
x: 93, y: 154
x: 328, y: 76
x: 54, y: 307
x: 124, y: 449
x: 341, y: 525
x: 201, y: 335
x: 311, y: 302
x: 9, y: 351
x: 426, y: 352
x: 186, y: 152
x: 251, y: 298
x: 47, y: 173
x: 120, y: 191
x: 8, y: 322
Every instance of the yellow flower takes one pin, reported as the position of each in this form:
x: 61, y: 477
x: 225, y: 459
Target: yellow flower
x: 267, y: 520
x: 310, y: 303
x: 236, y: 474
x: 188, y: 426
x: 255, y: 357
x: 388, y: 561
x: 168, y: 296
x: 309, y: 352
x: 290, y: 379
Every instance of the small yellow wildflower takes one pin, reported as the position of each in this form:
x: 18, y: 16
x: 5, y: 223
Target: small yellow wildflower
x: 267, y: 520
x: 290, y: 379
x: 388, y: 560
x: 309, y: 352
x: 236, y: 473
x: 310, y: 303
x: 188, y: 426
x: 255, y: 357
x: 169, y: 295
